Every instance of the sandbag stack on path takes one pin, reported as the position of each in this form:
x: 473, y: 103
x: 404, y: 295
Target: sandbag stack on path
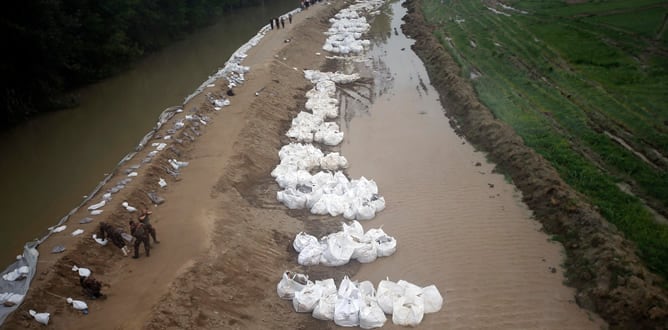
x: 323, y: 192
x: 339, y: 248
x: 360, y: 304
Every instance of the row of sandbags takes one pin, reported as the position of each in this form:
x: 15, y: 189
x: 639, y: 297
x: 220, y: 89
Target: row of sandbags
x: 347, y: 27
x: 323, y: 192
x: 339, y: 248
x: 360, y: 304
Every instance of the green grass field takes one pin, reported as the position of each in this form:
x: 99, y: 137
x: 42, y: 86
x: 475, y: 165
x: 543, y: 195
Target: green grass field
x: 570, y: 77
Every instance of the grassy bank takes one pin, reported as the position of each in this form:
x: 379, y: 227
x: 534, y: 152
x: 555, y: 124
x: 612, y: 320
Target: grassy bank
x: 586, y: 86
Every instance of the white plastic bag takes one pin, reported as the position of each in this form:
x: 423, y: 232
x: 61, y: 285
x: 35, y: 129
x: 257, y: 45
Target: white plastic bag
x: 303, y: 240
x: 338, y: 251
x: 324, y: 310
x: 408, y: 311
x: 85, y: 272
x: 40, y: 317
x: 371, y: 315
x: 387, y: 293
x: 433, y: 301
x: 102, y: 242
x: 366, y: 252
x: 306, y: 299
x: 77, y: 304
x: 347, y: 312
x: 290, y: 283
x: 311, y: 254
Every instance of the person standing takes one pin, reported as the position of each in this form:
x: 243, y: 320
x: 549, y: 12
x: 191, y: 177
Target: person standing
x: 143, y: 218
x: 283, y: 22
x: 141, y: 237
x: 271, y: 22
x: 276, y: 22
x: 290, y: 17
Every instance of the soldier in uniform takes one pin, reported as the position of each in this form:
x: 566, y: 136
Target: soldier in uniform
x: 143, y: 218
x: 114, y: 234
x: 141, y: 236
x: 91, y: 287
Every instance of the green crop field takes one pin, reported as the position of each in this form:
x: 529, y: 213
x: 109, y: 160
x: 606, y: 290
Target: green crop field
x: 586, y: 86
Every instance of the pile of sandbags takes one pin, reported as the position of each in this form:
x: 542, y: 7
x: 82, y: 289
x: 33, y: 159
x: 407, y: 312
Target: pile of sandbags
x: 323, y: 192
x: 360, y: 304
x: 339, y: 248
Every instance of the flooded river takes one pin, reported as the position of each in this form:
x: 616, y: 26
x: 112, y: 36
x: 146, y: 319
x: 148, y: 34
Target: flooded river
x: 49, y: 163
x: 458, y: 225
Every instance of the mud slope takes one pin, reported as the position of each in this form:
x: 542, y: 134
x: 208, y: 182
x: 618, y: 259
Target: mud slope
x: 601, y: 264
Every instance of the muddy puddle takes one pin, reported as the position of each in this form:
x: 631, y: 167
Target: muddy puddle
x: 458, y: 225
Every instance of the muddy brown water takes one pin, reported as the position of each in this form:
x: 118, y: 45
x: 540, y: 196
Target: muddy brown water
x: 50, y: 162
x: 458, y: 225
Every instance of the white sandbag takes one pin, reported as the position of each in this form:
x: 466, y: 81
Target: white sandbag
x: 333, y: 161
x: 96, y: 212
x: 378, y: 203
x: 18, y: 273
x: 291, y: 198
x: 306, y: 299
x: 290, y: 283
x: 77, y: 304
x: 59, y: 229
x: 410, y: 289
x: 311, y: 254
x: 77, y: 232
x: 387, y: 293
x: 347, y: 312
x: 366, y: 289
x: 366, y: 252
x: 328, y: 286
x: 85, y: 272
x: 354, y: 229
x: 10, y: 299
x: 408, y: 311
x: 42, y: 318
x: 303, y: 240
x: 365, y: 211
x: 387, y: 245
x: 324, y: 310
x: 97, y: 206
x: 433, y: 301
x: 102, y: 242
x: 339, y: 248
x: 371, y: 315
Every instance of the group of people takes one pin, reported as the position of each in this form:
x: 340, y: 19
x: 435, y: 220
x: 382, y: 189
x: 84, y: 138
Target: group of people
x: 307, y: 3
x: 141, y: 231
x: 279, y: 22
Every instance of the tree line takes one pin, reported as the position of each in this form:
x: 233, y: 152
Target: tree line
x: 53, y: 46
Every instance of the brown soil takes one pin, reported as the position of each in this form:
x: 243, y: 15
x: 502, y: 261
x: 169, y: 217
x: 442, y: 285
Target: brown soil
x: 604, y: 267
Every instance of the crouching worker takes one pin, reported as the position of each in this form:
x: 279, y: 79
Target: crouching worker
x: 114, y: 234
x: 91, y: 287
x: 140, y: 234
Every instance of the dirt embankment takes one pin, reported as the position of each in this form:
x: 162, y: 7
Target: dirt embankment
x: 225, y: 239
x: 603, y: 266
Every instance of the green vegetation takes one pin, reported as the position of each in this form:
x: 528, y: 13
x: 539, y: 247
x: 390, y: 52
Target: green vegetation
x: 55, y: 45
x: 571, y: 79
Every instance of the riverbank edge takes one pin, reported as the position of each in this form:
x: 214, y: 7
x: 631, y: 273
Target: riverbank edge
x: 604, y: 267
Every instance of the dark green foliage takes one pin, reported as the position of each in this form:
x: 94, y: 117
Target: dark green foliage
x: 52, y: 46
